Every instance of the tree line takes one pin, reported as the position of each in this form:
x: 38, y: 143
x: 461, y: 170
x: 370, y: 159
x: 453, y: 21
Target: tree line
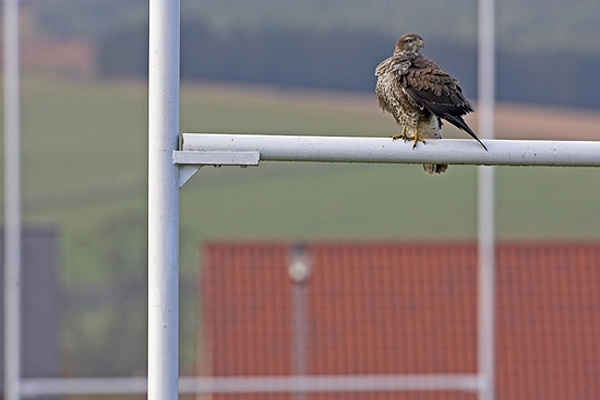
x: 344, y: 59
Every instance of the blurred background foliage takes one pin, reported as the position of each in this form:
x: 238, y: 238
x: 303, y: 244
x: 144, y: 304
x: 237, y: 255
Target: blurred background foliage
x: 548, y: 51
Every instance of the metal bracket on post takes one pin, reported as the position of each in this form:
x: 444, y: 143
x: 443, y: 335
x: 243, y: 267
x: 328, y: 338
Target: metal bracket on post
x: 190, y: 162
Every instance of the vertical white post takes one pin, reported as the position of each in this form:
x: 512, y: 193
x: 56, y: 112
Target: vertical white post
x: 12, y: 204
x: 163, y: 200
x: 300, y: 270
x: 486, y: 203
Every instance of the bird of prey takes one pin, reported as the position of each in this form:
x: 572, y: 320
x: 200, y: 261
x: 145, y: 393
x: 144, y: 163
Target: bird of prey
x: 419, y: 94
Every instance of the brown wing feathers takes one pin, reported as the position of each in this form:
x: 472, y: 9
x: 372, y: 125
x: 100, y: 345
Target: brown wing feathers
x: 431, y: 87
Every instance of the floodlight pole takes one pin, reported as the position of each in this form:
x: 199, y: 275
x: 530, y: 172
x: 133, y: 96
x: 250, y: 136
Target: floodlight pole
x: 163, y: 200
x: 12, y: 204
x: 486, y: 203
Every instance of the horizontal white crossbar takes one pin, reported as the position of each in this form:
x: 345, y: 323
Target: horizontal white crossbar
x: 75, y: 386
x: 341, y: 383
x: 256, y: 384
x: 385, y: 150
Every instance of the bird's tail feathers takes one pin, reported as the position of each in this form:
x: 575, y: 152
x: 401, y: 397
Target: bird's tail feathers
x: 435, y: 168
x: 460, y: 123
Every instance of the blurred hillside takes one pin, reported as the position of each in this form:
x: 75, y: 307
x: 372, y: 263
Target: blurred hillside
x: 548, y: 51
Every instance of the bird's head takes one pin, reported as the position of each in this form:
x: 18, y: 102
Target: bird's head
x: 409, y: 44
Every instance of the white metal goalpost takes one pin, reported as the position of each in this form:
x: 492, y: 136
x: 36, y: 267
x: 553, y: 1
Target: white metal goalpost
x: 12, y: 202
x: 170, y: 167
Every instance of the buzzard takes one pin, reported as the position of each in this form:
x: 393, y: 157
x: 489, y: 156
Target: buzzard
x: 419, y: 94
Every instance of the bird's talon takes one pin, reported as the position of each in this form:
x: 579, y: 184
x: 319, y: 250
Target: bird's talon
x: 402, y: 135
x: 416, y: 140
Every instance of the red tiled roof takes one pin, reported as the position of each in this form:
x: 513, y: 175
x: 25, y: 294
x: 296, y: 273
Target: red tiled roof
x: 246, y: 292
x: 406, y: 308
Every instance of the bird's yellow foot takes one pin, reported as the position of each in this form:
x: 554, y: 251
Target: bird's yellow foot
x: 416, y: 139
x: 402, y: 135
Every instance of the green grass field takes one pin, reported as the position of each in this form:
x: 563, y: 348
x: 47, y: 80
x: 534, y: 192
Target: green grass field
x: 84, y: 170
x: 84, y: 159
